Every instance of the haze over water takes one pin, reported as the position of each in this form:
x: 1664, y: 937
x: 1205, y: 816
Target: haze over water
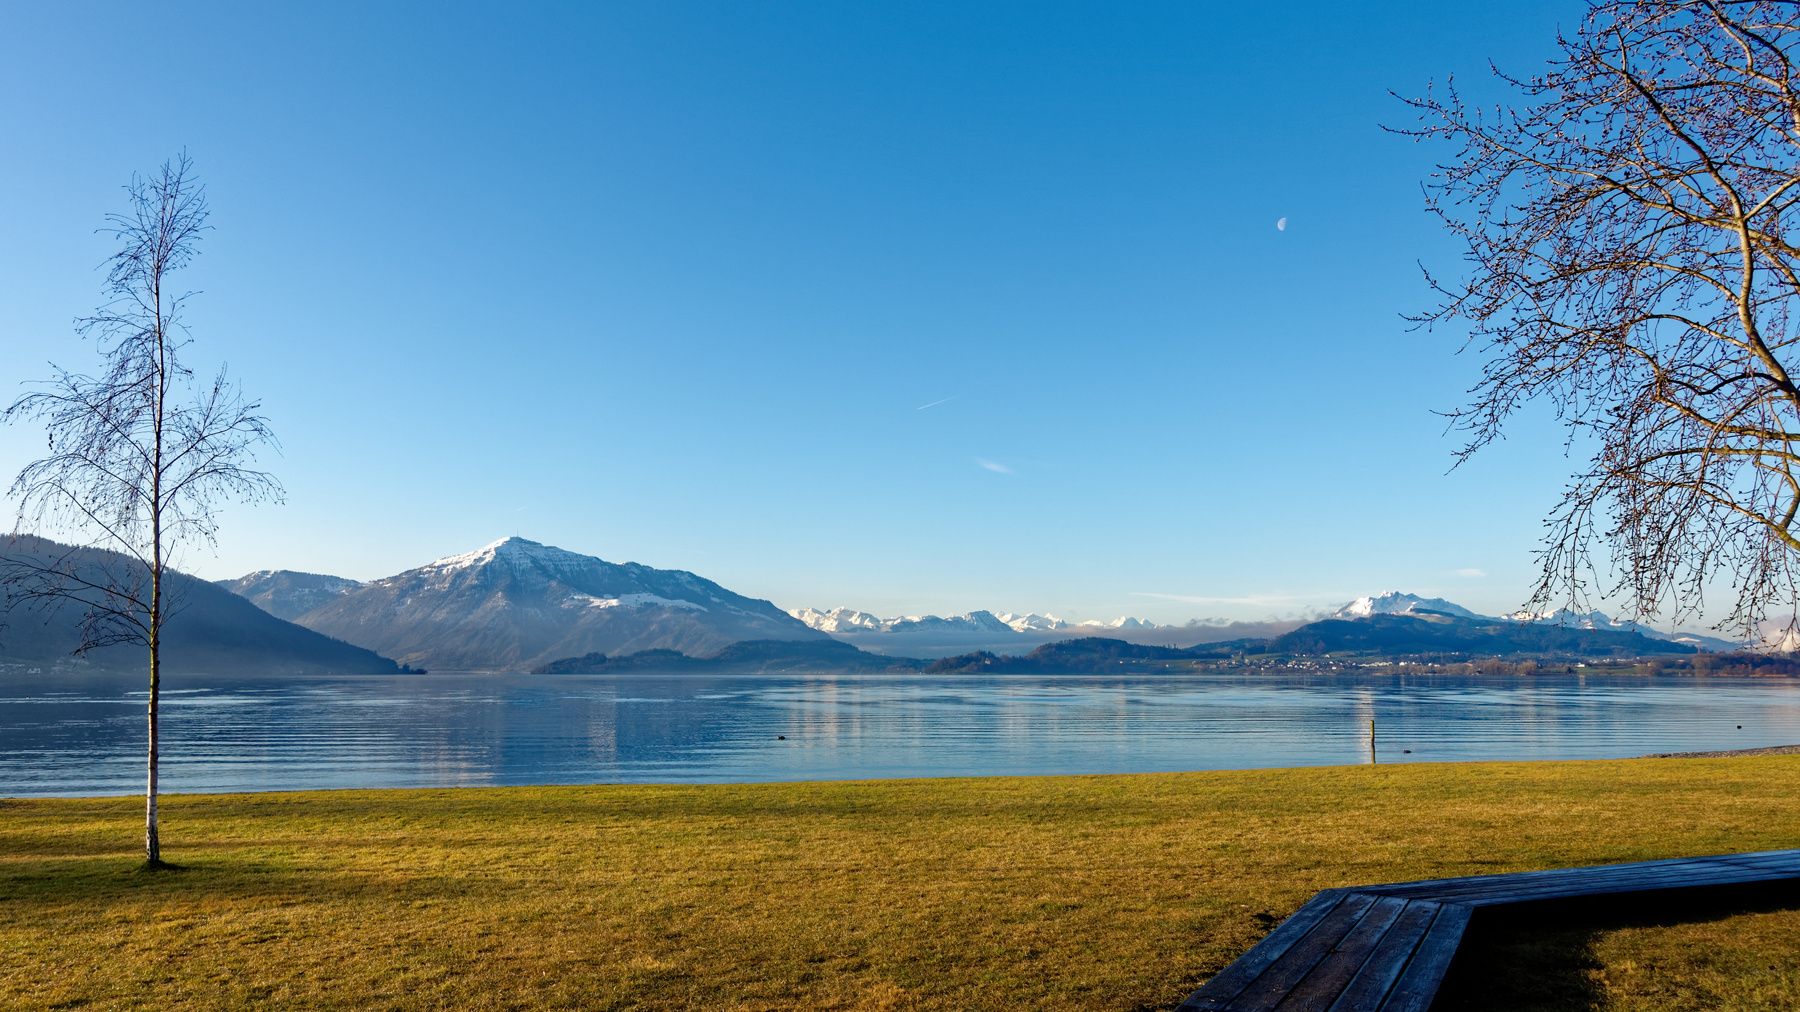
x: 84, y: 736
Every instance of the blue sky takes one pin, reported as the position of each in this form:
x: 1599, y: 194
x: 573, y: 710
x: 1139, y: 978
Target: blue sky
x: 907, y: 307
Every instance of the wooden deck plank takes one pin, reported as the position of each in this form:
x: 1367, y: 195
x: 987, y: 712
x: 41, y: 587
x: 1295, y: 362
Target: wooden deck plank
x: 1275, y: 982
x: 1327, y: 980
x: 1382, y: 969
x: 1666, y: 862
x: 1424, y: 973
x: 1768, y: 859
x: 1508, y: 897
x: 1231, y: 981
x: 1502, y: 892
x: 1559, y: 875
x: 1523, y: 891
x: 1527, y: 892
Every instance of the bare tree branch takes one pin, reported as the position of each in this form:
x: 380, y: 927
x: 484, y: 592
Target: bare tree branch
x: 1623, y: 228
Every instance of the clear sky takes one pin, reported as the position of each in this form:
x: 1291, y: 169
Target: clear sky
x: 909, y: 307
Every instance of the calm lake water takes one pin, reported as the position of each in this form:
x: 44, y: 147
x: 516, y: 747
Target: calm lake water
x: 84, y: 736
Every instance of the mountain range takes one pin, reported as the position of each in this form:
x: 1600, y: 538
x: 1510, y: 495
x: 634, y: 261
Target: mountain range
x: 1005, y: 632
x: 1430, y: 633
x: 520, y: 605
x: 1376, y: 636
x: 849, y: 620
x: 1395, y: 603
x: 517, y: 604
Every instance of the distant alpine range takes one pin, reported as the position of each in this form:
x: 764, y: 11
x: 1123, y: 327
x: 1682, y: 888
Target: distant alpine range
x: 1395, y: 603
x: 933, y: 635
x: 849, y: 620
x: 518, y: 605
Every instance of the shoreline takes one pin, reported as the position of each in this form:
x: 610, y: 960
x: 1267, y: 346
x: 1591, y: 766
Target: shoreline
x: 1771, y: 750
x: 1728, y: 754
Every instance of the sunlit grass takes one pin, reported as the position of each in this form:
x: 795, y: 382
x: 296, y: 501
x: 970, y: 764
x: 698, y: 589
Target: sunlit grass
x: 1107, y: 892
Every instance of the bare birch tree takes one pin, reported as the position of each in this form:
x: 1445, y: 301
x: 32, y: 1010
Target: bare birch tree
x: 1628, y: 262
x: 140, y: 456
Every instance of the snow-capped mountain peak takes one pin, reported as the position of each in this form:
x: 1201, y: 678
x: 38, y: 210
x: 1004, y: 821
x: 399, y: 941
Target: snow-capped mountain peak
x: 514, y: 552
x: 838, y: 619
x: 287, y: 594
x: 517, y: 604
x: 1396, y: 603
x: 1578, y: 620
x: 1032, y: 621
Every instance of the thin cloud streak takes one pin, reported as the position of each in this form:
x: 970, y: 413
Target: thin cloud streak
x: 996, y: 468
x: 934, y: 404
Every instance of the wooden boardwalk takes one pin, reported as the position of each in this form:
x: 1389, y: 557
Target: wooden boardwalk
x: 1385, y: 948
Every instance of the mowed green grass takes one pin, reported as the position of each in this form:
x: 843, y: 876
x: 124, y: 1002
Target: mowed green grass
x: 1102, y: 892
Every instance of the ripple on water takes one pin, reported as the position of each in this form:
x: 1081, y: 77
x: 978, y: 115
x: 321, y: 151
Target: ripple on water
x: 226, y: 734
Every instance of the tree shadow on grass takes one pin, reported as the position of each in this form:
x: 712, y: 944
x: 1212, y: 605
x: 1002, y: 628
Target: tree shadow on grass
x: 97, y: 882
x: 1540, y: 957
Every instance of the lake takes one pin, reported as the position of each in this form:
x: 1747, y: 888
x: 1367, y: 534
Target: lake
x: 83, y: 735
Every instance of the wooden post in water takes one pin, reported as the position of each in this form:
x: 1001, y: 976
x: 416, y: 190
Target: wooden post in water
x: 1372, y: 759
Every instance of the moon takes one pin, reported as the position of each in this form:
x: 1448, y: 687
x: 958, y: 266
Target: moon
x: 1281, y: 226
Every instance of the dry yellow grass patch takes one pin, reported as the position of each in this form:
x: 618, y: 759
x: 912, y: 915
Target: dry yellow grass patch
x: 1107, y: 892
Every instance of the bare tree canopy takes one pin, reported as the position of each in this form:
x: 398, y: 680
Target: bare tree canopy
x: 140, y: 457
x: 1629, y: 264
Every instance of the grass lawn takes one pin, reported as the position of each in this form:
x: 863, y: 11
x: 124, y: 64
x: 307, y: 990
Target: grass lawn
x: 1104, y: 892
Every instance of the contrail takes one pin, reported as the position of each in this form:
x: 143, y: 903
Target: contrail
x: 934, y: 404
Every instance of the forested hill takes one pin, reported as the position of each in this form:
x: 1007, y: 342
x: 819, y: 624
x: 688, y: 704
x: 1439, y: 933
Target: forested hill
x: 1374, y: 637
x: 1411, y: 635
x: 1095, y: 655
x: 209, y: 628
x: 747, y: 657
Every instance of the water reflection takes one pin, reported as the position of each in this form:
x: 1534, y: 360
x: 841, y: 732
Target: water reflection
x: 85, y: 735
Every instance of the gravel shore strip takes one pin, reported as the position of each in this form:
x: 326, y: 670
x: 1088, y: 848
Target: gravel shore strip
x: 1771, y: 750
